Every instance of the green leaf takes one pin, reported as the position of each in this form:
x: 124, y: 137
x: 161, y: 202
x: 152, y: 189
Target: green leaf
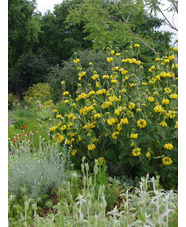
x: 111, y: 155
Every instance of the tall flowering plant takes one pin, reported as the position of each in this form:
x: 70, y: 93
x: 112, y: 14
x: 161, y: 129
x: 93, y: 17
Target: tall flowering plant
x: 125, y: 117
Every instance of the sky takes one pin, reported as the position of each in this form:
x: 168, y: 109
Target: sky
x: 44, y: 5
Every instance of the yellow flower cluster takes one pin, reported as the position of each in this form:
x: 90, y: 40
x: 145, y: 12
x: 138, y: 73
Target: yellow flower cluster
x: 55, y: 111
x: 89, y: 125
x: 100, y: 92
x: 151, y: 99
x: 167, y: 89
x: 141, y: 123
x: 148, y: 154
x: 76, y: 60
x: 74, y: 151
x: 109, y: 59
x: 171, y: 114
x: 63, y: 127
x: 58, y: 116
x: 168, y: 146
x: 112, y: 52
x: 131, y: 60
x: 105, y: 76
x: 168, y: 74
x: 112, y: 121
x: 173, y: 96
x: 86, y: 110
x: 53, y: 128
x: 65, y: 93
x: 118, y: 54
x: 91, y: 147
x: 136, y: 45
x: 131, y: 105
x: 136, y: 151
x: 165, y: 101
x: 163, y: 124
x: 100, y: 161
x: 176, y: 125
x: 97, y: 115
x: 95, y: 76
x: 167, y: 161
x: 134, y: 136
x: 158, y: 109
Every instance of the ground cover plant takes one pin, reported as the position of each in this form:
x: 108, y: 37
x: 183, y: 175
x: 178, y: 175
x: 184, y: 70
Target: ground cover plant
x: 125, y: 117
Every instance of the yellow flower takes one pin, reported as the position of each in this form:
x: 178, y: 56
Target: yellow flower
x: 66, y: 101
x: 171, y: 57
x: 132, y: 144
x: 151, y: 99
x: 105, y: 76
x: 118, y: 54
x: 171, y: 114
x: 167, y: 161
x: 63, y: 127
x: 55, y: 111
x: 134, y: 136
x: 111, y: 121
x: 167, y: 89
x: 81, y: 74
x: 158, y: 109
x: 141, y: 123
x: 100, y: 161
x: 79, y: 138
x: 95, y: 140
x: 114, y: 81
x: 124, y: 121
x: 173, y: 96
x: 136, y: 151
x: 163, y: 124
x: 148, y: 154
x: 158, y: 59
x: 76, y: 60
x: 98, y: 115
x: 95, y: 76
x: 53, y: 128
x: 60, y: 139
x: 62, y: 82
x: 74, y: 151
x: 175, y: 49
x: 70, y: 124
x: 65, y: 93
x: 58, y: 116
x: 91, y: 147
x: 109, y: 59
x: 106, y: 134
x: 114, y: 135
x: 168, y: 146
x: 131, y: 105
x: 166, y: 101
x: 136, y: 45
x: 176, y: 125
x: 90, y: 63
x: 112, y: 52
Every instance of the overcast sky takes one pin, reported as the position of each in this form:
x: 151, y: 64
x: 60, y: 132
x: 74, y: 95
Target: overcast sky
x: 44, y: 5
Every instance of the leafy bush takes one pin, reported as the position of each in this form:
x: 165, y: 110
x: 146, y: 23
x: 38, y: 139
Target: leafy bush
x: 67, y: 73
x: 126, y: 117
x: 38, y: 174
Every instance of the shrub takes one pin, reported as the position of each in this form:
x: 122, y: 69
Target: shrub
x: 38, y: 174
x: 126, y: 117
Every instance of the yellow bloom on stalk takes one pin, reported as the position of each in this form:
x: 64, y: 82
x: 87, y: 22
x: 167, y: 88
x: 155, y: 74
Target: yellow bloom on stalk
x: 79, y: 138
x: 163, y: 124
x: 111, y: 121
x: 176, y: 125
x: 74, y: 151
x: 100, y: 161
x: 141, y: 123
x: 168, y: 146
x: 114, y: 81
x: 175, y: 49
x: 105, y: 76
x: 98, y: 115
x: 109, y: 59
x: 118, y: 54
x: 148, y: 154
x: 132, y: 144
x: 65, y: 93
x: 158, y: 109
x: 106, y: 134
x: 124, y: 121
x: 95, y: 76
x: 58, y: 116
x: 167, y: 89
x: 151, y: 99
x: 66, y: 101
x: 70, y: 125
x: 157, y: 59
x: 136, y: 45
x: 53, y: 128
x: 81, y: 74
x: 131, y: 105
x: 112, y: 52
x: 171, y: 57
x: 171, y: 114
x: 55, y: 111
x: 76, y: 60
x: 63, y: 127
x: 173, y: 96
x: 167, y: 161
x: 116, y: 112
x: 91, y: 147
x: 114, y: 135
x: 95, y: 140
x: 90, y: 63
x: 136, y: 151
x: 134, y: 136
x: 166, y: 101
x: 62, y: 82
x: 60, y: 139
x: 60, y: 123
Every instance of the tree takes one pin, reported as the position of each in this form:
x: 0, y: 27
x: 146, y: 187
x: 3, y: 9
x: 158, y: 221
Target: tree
x: 118, y: 21
x: 61, y: 39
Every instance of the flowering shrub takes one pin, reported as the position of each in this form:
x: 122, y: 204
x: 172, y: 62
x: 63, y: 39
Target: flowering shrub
x: 125, y: 117
x: 39, y: 95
